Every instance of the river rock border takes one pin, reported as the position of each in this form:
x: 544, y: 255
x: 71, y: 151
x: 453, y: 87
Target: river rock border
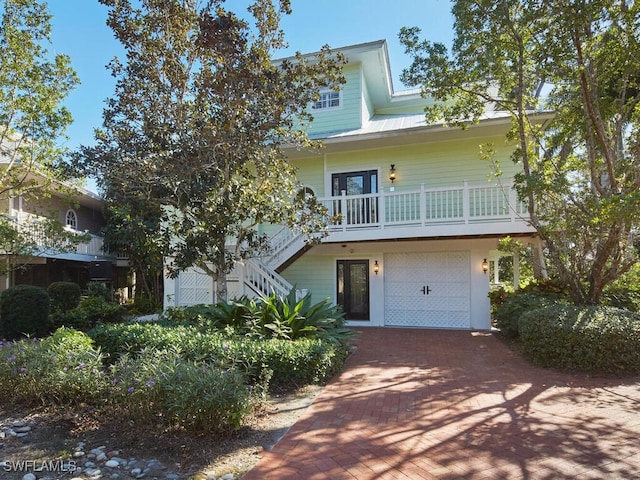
x: 86, y: 463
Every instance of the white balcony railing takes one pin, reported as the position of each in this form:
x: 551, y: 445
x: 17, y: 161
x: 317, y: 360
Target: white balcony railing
x: 30, y: 227
x: 466, y: 204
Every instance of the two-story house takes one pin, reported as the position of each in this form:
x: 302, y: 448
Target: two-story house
x: 81, y: 212
x: 419, y: 216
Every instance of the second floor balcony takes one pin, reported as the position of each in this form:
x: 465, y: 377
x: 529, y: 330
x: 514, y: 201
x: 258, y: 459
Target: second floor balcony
x: 37, y: 234
x: 462, y: 210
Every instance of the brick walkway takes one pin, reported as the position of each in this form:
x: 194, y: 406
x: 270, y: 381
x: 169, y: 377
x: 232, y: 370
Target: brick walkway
x: 431, y: 404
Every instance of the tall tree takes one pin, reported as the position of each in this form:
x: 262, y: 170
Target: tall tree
x: 198, y: 124
x: 579, y: 59
x: 33, y: 85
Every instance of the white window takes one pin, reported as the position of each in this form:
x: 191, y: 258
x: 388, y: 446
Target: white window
x: 329, y: 99
x: 71, y: 220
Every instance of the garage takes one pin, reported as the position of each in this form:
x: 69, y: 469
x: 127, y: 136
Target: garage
x: 427, y: 289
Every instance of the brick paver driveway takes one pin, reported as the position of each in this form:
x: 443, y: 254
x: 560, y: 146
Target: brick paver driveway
x: 416, y: 404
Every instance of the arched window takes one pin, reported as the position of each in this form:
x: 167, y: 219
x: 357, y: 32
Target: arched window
x: 71, y: 220
x: 304, y: 193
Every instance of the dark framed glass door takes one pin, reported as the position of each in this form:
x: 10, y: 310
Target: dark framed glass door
x: 355, y: 183
x: 353, y: 288
x: 359, y: 211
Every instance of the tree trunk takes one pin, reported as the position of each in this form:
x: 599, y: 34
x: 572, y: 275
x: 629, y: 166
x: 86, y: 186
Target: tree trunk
x: 221, y: 286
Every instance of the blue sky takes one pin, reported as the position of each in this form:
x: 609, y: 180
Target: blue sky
x: 79, y: 30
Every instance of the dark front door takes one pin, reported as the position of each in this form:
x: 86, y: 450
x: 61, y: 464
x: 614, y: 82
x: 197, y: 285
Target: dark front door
x: 353, y: 288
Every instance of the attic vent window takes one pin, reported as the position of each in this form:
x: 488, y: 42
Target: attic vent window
x: 329, y: 99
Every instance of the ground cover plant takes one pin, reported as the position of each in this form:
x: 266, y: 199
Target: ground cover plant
x: 186, y: 371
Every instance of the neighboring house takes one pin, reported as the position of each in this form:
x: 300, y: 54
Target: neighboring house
x: 82, y: 212
x: 419, y: 217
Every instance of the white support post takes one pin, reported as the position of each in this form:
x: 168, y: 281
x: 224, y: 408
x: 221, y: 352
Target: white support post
x: 516, y: 269
x: 382, y: 213
x: 423, y: 205
x: 465, y: 202
x: 343, y: 209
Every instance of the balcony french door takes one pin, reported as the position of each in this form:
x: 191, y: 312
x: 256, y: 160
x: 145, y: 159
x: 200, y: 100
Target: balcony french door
x: 363, y: 210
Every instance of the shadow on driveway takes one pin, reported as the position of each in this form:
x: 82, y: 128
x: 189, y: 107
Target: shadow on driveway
x: 436, y: 404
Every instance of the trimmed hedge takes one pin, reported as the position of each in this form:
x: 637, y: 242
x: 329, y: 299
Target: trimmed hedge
x: 288, y: 363
x: 508, y: 313
x: 596, y: 339
x: 24, y: 310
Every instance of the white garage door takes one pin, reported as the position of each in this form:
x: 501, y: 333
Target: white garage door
x: 427, y: 290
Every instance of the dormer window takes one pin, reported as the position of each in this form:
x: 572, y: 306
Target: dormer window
x: 329, y: 99
x: 71, y: 220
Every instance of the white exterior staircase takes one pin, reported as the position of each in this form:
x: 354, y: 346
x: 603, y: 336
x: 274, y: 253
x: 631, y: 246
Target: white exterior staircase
x: 258, y: 276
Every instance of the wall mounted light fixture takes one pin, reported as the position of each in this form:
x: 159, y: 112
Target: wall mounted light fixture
x: 392, y: 173
x: 376, y: 267
x: 485, y: 266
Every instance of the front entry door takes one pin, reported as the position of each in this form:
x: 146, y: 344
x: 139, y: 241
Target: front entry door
x: 353, y: 288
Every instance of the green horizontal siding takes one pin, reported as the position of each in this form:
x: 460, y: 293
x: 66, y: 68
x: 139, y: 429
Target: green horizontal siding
x: 310, y: 172
x: 349, y: 117
x: 434, y: 164
x: 314, y: 273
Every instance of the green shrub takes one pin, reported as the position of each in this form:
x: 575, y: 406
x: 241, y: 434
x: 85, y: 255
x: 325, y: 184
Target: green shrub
x: 270, y: 317
x: 205, y: 317
x: 590, y: 339
x: 63, y: 368
x: 497, y: 296
x: 194, y: 395
x: 144, y: 305
x: 507, y: 315
x: 203, y: 397
x: 90, y: 311
x: 99, y: 290
x: 287, y: 363
x: 24, y: 310
x: 64, y: 296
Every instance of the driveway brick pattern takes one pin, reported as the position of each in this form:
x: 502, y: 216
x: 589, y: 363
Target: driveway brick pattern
x: 436, y: 404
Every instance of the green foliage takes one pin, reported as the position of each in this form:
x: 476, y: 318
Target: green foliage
x: 625, y: 291
x: 288, y: 363
x: 199, y: 98
x: 270, y: 317
x: 99, y: 290
x: 507, y: 314
x: 64, y: 296
x: 194, y: 395
x: 543, y: 65
x: 592, y: 339
x: 63, y: 368
x: 497, y: 296
x: 24, y: 310
x: 89, y: 312
x: 144, y: 305
x: 132, y: 229
x: 202, y: 397
x: 33, y: 86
